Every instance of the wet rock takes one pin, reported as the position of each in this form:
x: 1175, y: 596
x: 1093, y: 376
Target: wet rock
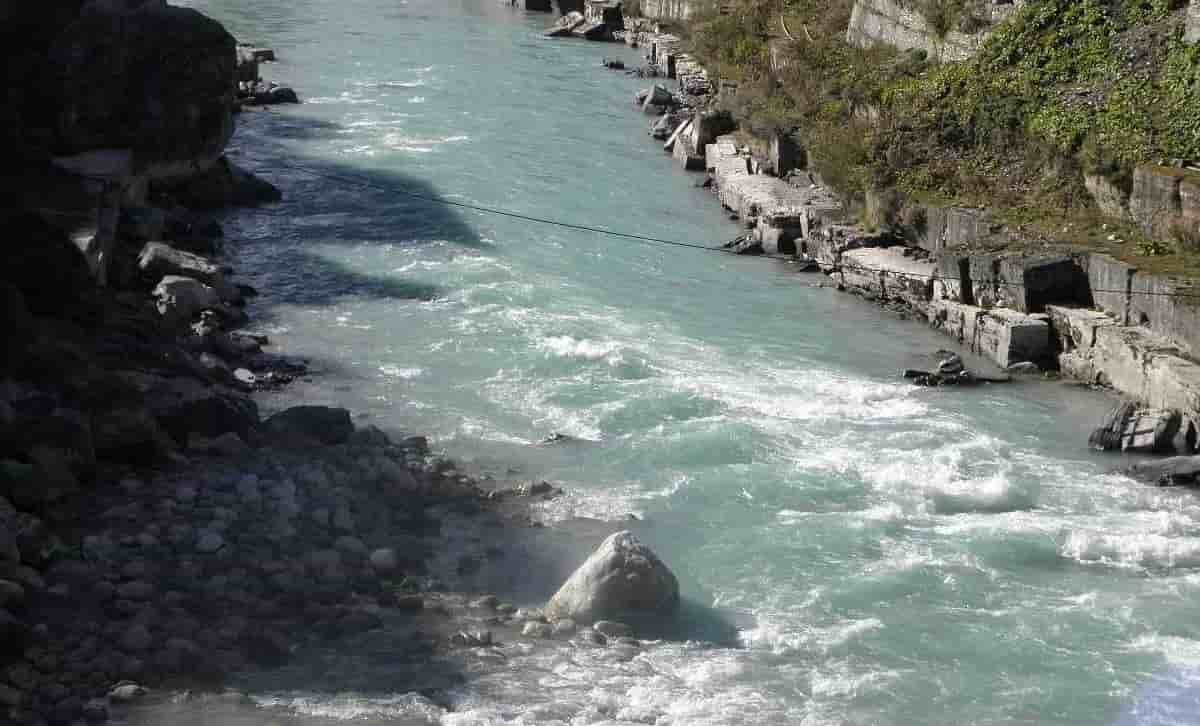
x: 95, y: 710
x: 269, y: 94
x: 1024, y: 369
x: 181, y: 299
x: 1171, y: 471
x: 591, y: 637
x: 472, y: 639
x: 301, y: 424
x: 563, y: 27
x: 487, y: 602
x: 126, y: 691
x: 623, y: 576
x: 612, y: 629
x: 535, y: 629
x: 565, y: 627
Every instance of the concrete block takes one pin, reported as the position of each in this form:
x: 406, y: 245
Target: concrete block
x: 1109, y: 280
x: 1004, y: 336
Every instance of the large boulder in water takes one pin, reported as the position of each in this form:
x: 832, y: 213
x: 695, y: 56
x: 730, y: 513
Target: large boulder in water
x: 622, y: 577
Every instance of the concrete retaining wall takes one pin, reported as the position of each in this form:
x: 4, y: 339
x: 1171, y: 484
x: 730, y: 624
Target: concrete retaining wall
x: 670, y: 9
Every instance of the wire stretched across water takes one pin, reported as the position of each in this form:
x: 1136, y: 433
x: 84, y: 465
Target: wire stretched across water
x: 647, y: 239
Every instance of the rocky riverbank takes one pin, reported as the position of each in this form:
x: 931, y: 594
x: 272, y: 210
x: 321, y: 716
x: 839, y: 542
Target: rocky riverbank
x: 1026, y: 303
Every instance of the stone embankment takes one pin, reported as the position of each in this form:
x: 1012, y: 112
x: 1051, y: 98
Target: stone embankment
x: 1091, y: 317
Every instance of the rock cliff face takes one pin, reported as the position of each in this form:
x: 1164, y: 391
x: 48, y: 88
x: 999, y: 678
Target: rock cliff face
x: 896, y: 23
x: 118, y: 74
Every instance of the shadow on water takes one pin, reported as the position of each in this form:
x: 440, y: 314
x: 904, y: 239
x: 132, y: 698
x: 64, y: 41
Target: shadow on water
x: 367, y: 214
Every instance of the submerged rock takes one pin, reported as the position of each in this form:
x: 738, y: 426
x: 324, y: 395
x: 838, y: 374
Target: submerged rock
x: 623, y: 576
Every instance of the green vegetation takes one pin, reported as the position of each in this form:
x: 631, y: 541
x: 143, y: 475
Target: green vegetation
x: 1064, y: 88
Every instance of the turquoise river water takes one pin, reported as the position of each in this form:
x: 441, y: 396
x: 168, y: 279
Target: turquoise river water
x: 893, y: 555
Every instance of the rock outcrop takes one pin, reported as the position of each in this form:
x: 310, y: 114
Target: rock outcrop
x: 623, y: 577
x: 901, y: 25
x: 170, y: 67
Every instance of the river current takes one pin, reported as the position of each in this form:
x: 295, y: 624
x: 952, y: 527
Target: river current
x: 892, y: 555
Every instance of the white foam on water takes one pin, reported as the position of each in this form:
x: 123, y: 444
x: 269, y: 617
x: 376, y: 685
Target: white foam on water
x: 412, y: 707
x: 394, y: 371
x: 568, y: 347
x: 788, y: 634
x: 1135, y: 550
x: 417, y: 99
x: 1176, y: 650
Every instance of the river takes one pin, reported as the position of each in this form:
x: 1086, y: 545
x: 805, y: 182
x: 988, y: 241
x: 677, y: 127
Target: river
x: 892, y: 555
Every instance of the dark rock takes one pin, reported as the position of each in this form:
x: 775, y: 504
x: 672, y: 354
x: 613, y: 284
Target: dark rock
x: 39, y: 261
x: 149, y: 77
x: 563, y: 26
x: 323, y: 424
x: 14, y: 633
x: 268, y: 94
x: 266, y: 646
x: 130, y: 435
x: 38, y: 544
x: 185, y: 406
x: 223, y: 185
x: 246, y: 70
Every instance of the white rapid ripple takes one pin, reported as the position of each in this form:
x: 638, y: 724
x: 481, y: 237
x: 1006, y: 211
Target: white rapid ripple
x: 890, y: 555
